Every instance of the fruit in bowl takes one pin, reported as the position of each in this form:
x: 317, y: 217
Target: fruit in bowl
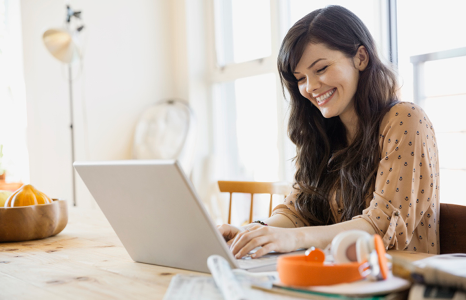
x: 29, y: 214
x: 4, y: 196
x: 27, y: 195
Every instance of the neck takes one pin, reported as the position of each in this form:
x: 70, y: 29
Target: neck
x: 350, y: 121
x: 351, y: 132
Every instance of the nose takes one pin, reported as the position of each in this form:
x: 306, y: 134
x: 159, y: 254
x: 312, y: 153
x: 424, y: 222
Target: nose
x: 312, y: 84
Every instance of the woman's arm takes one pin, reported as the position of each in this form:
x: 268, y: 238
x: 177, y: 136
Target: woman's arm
x: 276, y: 221
x: 284, y: 215
x: 321, y: 236
x: 404, y: 209
x: 286, y: 239
x: 229, y: 232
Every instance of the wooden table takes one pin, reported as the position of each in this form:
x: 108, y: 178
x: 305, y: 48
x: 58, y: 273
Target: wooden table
x: 85, y: 261
x: 88, y: 261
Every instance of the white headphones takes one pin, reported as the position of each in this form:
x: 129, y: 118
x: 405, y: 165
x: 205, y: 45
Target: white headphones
x: 348, y: 244
x: 356, y: 255
x: 357, y: 245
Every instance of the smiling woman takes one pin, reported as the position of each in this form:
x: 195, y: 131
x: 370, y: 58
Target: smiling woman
x: 335, y: 76
x: 364, y: 160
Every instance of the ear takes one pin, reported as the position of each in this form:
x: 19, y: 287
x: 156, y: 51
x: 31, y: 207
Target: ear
x: 361, y: 59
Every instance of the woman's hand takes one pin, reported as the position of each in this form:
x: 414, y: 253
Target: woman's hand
x: 270, y: 238
x: 228, y: 232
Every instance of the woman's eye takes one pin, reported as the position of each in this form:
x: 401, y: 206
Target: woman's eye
x: 321, y: 70
x: 300, y: 79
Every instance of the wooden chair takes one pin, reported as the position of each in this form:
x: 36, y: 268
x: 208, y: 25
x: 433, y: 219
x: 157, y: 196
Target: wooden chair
x: 253, y: 187
x: 452, y: 228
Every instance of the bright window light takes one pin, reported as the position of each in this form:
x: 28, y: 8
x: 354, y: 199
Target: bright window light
x: 443, y: 82
x: 245, y: 138
x: 256, y: 125
x: 12, y: 104
x: 367, y: 10
x: 245, y: 129
x: 243, y: 31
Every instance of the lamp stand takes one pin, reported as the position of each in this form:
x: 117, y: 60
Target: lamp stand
x: 60, y: 44
x: 70, y: 83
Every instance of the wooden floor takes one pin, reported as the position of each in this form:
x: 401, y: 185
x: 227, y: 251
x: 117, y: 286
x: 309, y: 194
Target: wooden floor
x: 84, y: 261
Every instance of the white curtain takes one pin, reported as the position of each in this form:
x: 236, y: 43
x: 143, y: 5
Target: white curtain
x: 12, y: 94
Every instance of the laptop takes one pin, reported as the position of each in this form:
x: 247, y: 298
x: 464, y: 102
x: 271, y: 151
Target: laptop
x: 154, y: 210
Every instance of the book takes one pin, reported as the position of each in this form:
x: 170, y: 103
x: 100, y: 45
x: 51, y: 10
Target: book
x: 391, y: 288
x: 430, y: 292
x: 229, y: 284
x: 446, y: 270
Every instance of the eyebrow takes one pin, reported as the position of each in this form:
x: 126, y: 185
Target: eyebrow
x: 312, y: 64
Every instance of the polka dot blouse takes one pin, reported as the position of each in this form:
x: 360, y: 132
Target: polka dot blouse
x: 404, y: 206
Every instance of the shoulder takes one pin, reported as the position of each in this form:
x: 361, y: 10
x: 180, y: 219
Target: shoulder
x: 404, y: 115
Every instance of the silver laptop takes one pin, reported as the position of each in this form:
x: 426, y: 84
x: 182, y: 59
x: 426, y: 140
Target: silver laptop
x: 154, y: 210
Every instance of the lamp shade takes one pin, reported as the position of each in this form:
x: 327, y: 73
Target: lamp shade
x: 61, y: 44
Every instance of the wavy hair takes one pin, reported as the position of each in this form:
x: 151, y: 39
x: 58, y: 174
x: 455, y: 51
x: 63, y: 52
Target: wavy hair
x: 325, y: 161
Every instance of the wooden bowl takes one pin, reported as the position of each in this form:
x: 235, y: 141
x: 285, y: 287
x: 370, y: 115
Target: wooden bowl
x: 32, y: 222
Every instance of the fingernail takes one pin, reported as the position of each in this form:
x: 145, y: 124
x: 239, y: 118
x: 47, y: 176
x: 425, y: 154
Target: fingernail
x: 253, y: 255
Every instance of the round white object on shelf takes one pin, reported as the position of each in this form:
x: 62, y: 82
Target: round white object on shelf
x: 166, y: 130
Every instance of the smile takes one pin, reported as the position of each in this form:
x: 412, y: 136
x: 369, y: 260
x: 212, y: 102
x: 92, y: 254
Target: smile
x: 325, y: 96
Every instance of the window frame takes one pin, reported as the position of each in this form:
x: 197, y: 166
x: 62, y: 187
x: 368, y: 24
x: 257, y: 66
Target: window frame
x: 279, y: 18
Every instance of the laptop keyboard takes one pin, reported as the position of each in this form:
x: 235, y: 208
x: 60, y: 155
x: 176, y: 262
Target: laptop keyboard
x: 247, y: 262
x: 269, y: 259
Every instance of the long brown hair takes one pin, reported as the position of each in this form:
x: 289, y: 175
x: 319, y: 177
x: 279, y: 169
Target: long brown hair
x: 324, y: 160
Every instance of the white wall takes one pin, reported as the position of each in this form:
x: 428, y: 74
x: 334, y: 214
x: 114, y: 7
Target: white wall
x: 128, y: 65
x: 194, y: 55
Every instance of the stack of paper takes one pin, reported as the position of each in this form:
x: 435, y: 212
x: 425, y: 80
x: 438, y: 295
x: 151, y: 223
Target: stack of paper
x: 241, y: 285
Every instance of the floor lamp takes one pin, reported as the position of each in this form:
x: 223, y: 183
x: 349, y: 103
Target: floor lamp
x: 62, y: 44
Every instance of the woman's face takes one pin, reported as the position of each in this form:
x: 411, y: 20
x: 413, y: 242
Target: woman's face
x: 329, y: 79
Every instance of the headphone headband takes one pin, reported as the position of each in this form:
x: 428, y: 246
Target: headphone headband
x: 299, y: 271
x: 311, y: 269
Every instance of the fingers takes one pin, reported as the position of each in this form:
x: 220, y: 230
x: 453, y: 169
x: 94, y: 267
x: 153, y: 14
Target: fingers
x: 228, y: 231
x: 251, y: 245
x: 222, y: 229
x: 264, y: 250
x: 248, y: 240
x: 268, y: 238
x: 240, y: 240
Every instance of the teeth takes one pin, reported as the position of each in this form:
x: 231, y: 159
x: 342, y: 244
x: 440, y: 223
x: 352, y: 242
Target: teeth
x: 325, y: 96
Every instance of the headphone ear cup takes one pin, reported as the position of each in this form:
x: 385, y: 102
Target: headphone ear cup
x: 381, y: 255
x: 342, y: 241
x: 364, y: 247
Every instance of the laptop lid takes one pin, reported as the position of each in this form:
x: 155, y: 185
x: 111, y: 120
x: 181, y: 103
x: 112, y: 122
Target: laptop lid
x: 155, y: 212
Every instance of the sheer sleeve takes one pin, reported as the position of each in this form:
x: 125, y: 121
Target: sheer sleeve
x: 406, y: 187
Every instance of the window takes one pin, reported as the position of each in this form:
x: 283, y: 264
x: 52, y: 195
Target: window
x: 438, y: 82
x: 368, y: 11
x: 12, y: 98
x: 248, y: 109
x: 244, y: 108
x: 248, y: 150
x: 242, y: 30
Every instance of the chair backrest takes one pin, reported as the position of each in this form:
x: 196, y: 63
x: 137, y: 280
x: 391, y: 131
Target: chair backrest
x: 253, y: 187
x: 452, y: 228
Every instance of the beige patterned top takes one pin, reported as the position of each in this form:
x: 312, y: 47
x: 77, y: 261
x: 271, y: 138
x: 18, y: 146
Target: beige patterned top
x: 404, y: 209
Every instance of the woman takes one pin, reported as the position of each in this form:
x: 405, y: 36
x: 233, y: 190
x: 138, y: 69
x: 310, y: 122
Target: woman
x: 364, y: 160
